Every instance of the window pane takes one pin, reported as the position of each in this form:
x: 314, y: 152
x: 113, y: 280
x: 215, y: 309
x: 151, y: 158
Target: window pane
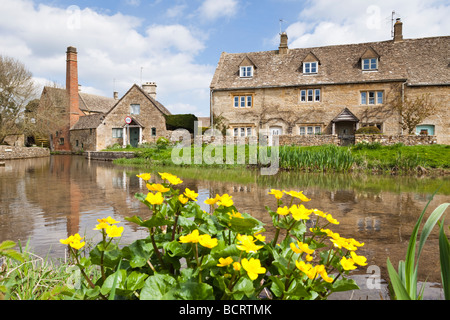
x: 380, y: 97
x: 249, y: 131
x: 366, y: 64
x: 310, y: 130
x: 307, y: 67
x: 153, y: 132
x: 317, y: 130
x: 363, y: 97
x: 135, y: 109
x: 313, y: 67
x: 243, y: 101
x: 310, y: 95
x: 302, y: 130
x: 236, y: 132
x: 371, y: 97
x: 317, y: 97
x: 236, y: 101
x: 242, y: 132
x: 373, y: 63
x: 249, y: 101
x: 303, y: 95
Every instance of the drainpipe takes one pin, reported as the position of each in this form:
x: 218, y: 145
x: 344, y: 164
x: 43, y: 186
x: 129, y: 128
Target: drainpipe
x: 403, y: 101
x: 210, y: 109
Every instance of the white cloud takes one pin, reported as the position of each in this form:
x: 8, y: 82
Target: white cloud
x: 328, y: 22
x: 112, y: 49
x: 214, y: 9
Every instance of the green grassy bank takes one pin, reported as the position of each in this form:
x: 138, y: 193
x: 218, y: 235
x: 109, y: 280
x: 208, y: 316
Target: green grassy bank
x: 327, y: 158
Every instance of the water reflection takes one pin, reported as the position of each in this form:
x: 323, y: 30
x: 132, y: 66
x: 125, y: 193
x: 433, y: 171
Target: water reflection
x: 47, y: 199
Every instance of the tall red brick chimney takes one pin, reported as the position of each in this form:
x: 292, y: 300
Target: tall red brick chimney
x: 72, y: 85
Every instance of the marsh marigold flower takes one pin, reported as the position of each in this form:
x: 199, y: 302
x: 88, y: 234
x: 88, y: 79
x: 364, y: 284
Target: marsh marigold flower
x: 157, y: 187
x: 114, y: 231
x: 154, y: 198
x: 208, y: 242
x: 298, y: 195
x: 302, y: 247
x: 225, y: 200
x: 235, y: 214
x: 236, y: 266
x: 283, y: 211
x: 277, y: 193
x: 183, y: 199
x: 193, y: 237
x: 74, y: 241
x: 214, y: 200
x: 223, y: 262
x: 144, y: 176
x: 347, y: 264
x: 360, y: 260
x: 172, y: 179
x: 300, y: 212
x: 191, y: 194
x: 247, y: 243
x: 253, y: 267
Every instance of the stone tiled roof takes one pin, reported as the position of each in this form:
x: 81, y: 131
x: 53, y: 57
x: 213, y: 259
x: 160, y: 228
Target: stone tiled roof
x: 424, y: 61
x: 87, y: 102
x: 88, y: 122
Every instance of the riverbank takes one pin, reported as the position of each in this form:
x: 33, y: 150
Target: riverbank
x: 12, y: 153
x: 373, y: 158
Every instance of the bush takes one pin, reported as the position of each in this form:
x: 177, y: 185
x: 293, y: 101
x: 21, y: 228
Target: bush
x: 181, y: 121
x: 195, y: 255
x: 368, y: 130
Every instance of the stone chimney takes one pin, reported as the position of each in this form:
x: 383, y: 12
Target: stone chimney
x: 150, y: 89
x: 72, y: 87
x: 283, y: 48
x: 116, y: 95
x: 398, y: 30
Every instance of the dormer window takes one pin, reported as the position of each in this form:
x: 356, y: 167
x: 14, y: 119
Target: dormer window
x: 246, y: 72
x: 310, y: 67
x: 370, y: 64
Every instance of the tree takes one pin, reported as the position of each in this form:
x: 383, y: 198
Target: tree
x: 17, y: 89
x: 414, y: 111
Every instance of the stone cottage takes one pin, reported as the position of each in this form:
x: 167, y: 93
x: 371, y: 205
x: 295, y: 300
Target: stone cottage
x: 332, y: 90
x: 92, y: 123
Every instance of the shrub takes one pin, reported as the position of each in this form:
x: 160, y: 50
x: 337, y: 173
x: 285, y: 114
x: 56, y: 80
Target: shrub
x: 368, y: 130
x: 192, y: 254
x: 181, y: 121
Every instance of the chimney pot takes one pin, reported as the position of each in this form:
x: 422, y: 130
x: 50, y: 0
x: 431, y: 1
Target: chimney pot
x: 398, y: 30
x: 283, y: 48
x: 116, y: 95
x: 150, y: 89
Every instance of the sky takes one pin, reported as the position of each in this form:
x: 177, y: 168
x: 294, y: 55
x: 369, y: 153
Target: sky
x: 178, y: 43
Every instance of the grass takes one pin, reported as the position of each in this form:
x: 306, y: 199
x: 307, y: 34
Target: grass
x: 396, y: 159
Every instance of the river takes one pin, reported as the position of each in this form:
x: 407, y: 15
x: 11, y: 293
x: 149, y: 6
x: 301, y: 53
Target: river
x: 43, y: 200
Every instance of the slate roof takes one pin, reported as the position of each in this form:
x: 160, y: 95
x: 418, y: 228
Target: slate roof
x: 424, y: 61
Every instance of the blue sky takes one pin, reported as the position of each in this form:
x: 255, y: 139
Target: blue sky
x: 177, y: 43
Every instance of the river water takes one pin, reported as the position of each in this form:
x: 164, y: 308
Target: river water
x: 43, y: 200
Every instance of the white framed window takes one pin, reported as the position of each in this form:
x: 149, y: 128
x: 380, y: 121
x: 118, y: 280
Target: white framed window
x: 370, y: 64
x: 117, y: 132
x: 242, y: 131
x: 372, y: 97
x: 244, y: 101
x: 310, y: 130
x: 310, y: 67
x: 310, y: 95
x: 135, y: 109
x: 246, y: 72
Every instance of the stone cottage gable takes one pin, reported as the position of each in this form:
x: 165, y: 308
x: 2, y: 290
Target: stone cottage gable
x: 419, y: 61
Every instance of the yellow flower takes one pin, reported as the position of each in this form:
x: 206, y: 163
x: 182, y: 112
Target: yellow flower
x: 259, y: 237
x: 360, y: 260
x: 225, y: 200
x: 170, y: 178
x: 192, y: 237
x: 208, y: 242
x: 144, y: 176
x: 236, y: 266
x: 111, y: 220
x: 211, y: 201
x: 347, y: 264
x: 320, y: 213
x: 302, y: 247
x: 247, y: 244
x: 320, y: 269
x: 235, y: 215
x: 101, y: 225
x: 277, y: 193
x: 306, y: 268
x: 157, y: 187
x: 154, y: 198
x: 300, y: 212
x: 74, y: 241
x: 114, y: 231
x: 253, y: 267
x: 191, y: 194
x: 183, y: 199
x: 283, y: 210
x: 343, y: 243
x: 298, y: 195
x: 331, y: 219
x: 223, y: 262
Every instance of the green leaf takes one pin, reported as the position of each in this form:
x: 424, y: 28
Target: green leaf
x: 115, y: 280
x: 397, y: 284
x: 344, y: 285
x: 245, y: 286
x: 158, y: 287
x: 444, y: 256
x: 195, y: 291
x: 174, y: 248
x: 135, y: 280
x: 138, y: 253
x: 110, y: 259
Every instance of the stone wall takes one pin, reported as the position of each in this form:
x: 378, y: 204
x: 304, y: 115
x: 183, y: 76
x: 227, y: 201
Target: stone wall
x: 108, y: 155
x: 386, y: 140
x: 8, y: 153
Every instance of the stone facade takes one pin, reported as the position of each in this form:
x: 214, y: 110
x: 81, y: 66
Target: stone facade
x: 274, y: 97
